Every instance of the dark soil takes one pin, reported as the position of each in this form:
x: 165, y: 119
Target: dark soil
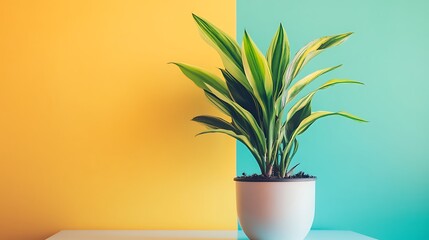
x: 300, y: 174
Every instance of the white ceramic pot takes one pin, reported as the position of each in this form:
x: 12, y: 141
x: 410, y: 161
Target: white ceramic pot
x: 276, y: 210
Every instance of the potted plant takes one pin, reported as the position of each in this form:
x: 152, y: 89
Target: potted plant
x: 258, y: 95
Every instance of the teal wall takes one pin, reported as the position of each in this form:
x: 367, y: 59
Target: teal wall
x: 372, y: 178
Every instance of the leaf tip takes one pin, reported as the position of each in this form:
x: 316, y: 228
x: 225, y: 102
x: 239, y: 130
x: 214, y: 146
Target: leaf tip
x: 335, y: 67
x: 223, y: 71
x: 357, y: 82
x: 281, y: 29
x: 246, y: 38
x: 195, y: 17
x: 346, y: 35
x: 362, y: 120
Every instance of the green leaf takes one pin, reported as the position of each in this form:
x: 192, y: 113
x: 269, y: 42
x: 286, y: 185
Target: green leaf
x: 338, y: 81
x: 242, y: 96
x: 214, y: 122
x: 306, y: 99
x: 221, y: 105
x: 255, y: 92
x: 243, y: 118
x: 287, y: 158
x: 309, y: 51
x: 300, y: 112
x: 203, y: 78
x: 320, y: 114
x: 227, y: 47
x: 295, y: 148
x: 290, y: 172
x: 301, y: 84
x: 294, y: 121
x: 278, y: 59
x: 238, y: 122
x: 247, y: 117
x: 257, y: 72
x: 304, y: 125
x: 335, y: 40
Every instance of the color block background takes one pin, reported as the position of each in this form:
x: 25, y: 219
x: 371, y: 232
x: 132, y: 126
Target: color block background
x: 95, y: 129
x: 372, y: 178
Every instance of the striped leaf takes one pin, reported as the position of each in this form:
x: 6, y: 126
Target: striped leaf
x: 307, y: 122
x: 203, y: 78
x: 338, y: 81
x: 214, y: 122
x: 256, y: 90
x: 309, y: 51
x: 239, y: 123
x: 320, y: 114
x: 306, y: 99
x: 245, y: 115
x: 242, y: 96
x: 227, y: 47
x: 278, y: 59
x: 257, y: 72
x: 245, y: 120
x: 287, y: 158
x: 290, y: 172
x: 335, y: 40
x: 295, y: 119
x: 295, y: 150
x: 221, y: 105
x: 301, y: 84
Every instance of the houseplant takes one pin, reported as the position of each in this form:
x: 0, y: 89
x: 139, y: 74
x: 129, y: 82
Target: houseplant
x: 258, y: 95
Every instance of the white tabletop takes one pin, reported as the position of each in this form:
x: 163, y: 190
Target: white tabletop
x: 189, y: 234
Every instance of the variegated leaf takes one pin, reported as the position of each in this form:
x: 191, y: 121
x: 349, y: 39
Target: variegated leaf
x: 214, y: 122
x: 278, y: 59
x: 226, y: 46
x: 257, y: 72
x: 301, y: 84
x: 309, y: 51
x: 203, y: 78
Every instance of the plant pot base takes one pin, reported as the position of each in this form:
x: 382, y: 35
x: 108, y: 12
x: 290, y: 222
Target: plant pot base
x: 276, y: 210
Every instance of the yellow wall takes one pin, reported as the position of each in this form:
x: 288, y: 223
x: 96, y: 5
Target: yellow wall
x: 95, y: 129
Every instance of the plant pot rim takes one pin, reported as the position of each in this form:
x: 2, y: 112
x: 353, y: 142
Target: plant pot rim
x: 240, y: 179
